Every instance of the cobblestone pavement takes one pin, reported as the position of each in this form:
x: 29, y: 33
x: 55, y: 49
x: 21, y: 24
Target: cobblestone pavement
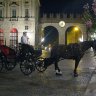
x: 14, y: 83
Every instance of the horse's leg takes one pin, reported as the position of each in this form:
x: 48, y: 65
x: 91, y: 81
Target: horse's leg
x: 57, y: 69
x: 76, y: 65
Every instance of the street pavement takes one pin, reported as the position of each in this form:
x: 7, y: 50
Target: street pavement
x: 15, y: 83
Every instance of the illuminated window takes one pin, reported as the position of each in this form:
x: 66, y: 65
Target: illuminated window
x: 13, y: 37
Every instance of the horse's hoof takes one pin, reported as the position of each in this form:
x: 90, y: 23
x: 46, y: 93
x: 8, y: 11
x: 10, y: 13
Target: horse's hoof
x: 59, y: 73
x: 75, y: 75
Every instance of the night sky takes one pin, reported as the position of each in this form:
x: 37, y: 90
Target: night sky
x: 63, y: 6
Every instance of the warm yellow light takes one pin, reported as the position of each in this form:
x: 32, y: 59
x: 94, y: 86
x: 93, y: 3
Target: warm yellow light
x: 76, y: 28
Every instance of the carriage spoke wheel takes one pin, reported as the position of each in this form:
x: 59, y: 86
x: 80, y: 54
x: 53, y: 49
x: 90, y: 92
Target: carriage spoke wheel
x: 10, y: 64
x: 27, y: 67
x: 39, y: 64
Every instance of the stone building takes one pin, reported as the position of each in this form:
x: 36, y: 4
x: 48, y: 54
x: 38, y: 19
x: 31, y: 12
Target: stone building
x: 67, y: 28
x: 17, y: 16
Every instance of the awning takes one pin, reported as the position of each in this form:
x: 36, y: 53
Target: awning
x: 14, y: 30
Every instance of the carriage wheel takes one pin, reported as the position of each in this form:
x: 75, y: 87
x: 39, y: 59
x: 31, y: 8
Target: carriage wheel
x: 10, y: 64
x: 27, y: 67
x: 39, y: 64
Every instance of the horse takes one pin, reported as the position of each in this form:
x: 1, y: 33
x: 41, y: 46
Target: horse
x: 73, y: 51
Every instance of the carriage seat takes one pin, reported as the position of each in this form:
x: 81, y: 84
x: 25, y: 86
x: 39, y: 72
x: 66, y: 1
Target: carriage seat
x: 8, y: 52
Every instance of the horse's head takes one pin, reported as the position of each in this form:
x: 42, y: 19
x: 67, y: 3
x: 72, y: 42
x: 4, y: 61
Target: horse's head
x: 94, y: 47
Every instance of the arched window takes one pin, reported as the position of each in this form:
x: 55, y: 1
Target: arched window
x: 1, y: 37
x: 13, y: 37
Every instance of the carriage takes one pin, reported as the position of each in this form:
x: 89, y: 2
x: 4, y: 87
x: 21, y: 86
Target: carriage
x: 24, y: 55
x: 10, y: 57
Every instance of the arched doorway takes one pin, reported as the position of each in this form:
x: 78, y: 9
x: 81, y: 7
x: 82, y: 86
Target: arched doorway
x: 13, y: 37
x: 73, y: 34
x: 50, y: 36
x: 1, y: 36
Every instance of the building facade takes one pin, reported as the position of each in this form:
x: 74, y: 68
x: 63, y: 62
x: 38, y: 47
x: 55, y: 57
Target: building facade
x: 17, y: 16
x: 63, y: 23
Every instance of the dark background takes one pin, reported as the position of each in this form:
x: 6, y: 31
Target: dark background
x: 63, y: 6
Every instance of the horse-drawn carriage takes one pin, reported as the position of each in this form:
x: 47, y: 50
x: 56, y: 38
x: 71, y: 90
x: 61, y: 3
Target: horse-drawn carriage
x: 29, y: 58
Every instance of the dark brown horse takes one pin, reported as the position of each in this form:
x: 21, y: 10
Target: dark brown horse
x: 72, y: 51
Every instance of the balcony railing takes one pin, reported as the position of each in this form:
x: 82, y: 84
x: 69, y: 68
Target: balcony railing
x: 13, y: 19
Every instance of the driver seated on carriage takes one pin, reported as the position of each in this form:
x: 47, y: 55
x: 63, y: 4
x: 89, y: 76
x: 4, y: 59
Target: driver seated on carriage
x: 26, y: 47
x: 24, y: 38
